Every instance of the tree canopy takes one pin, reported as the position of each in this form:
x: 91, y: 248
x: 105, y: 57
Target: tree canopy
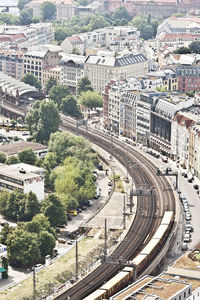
x: 50, y: 83
x: 2, y: 157
x: 26, y: 16
x: 58, y: 92
x: 43, y: 119
x: 53, y: 209
x: 182, y: 50
x: 91, y: 99
x: 32, y: 80
x: 84, y: 85
x: 27, y: 156
x: 48, y: 10
x: 195, y: 47
x: 22, y: 3
x: 70, y: 106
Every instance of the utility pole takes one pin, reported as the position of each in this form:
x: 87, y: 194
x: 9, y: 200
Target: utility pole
x: 34, y: 284
x: 131, y: 199
x: 124, y: 213
x: 105, y: 240
x: 76, y: 259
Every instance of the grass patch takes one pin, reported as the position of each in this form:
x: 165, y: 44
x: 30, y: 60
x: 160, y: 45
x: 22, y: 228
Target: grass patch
x: 118, y: 184
x: 56, y: 274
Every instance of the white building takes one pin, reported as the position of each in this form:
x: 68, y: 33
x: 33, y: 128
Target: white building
x: 36, y: 34
x: 104, y: 66
x: 23, y: 177
x: 72, y: 70
x: 64, y: 8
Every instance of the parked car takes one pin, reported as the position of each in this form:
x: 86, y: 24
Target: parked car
x: 61, y: 241
x: 184, y: 246
x: 70, y: 242
x: 195, y: 186
x: 186, y: 238
x: 165, y: 159
x: 110, y: 183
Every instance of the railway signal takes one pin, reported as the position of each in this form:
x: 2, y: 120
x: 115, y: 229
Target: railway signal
x: 167, y: 172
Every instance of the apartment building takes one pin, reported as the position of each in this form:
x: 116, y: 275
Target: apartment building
x: 104, y: 66
x: 119, y: 37
x: 51, y: 72
x: 72, y: 67
x: 11, y: 63
x: 65, y: 9
x: 23, y: 177
x: 35, y: 61
x: 21, y: 37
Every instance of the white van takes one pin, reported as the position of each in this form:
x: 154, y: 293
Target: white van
x: 98, y: 192
x: 188, y: 227
x: 187, y: 238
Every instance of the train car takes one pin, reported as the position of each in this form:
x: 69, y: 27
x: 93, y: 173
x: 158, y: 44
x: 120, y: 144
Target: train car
x: 140, y: 261
x: 160, y: 232
x: 117, y: 282
x: 97, y: 295
x: 167, y: 218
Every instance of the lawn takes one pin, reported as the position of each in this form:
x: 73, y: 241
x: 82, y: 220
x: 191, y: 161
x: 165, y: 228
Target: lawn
x: 55, y: 274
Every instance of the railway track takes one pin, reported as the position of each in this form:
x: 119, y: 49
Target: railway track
x: 143, y: 227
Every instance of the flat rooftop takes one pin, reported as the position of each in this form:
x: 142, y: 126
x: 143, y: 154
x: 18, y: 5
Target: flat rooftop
x: 15, y: 148
x: 162, y: 287
x: 13, y: 171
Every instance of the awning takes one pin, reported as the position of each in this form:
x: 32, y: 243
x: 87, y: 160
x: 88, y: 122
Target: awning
x: 2, y: 270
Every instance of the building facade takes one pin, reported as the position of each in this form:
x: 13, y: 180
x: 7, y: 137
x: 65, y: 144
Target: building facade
x: 102, y: 68
x: 11, y: 63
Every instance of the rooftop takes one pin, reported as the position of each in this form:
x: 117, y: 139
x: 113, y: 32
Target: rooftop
x: 13, y: 149
x: 13, y: 171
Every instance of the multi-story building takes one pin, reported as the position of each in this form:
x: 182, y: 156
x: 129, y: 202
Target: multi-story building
x: 65, y: 9
x: 35, y: 61
x: 20, y: 37
x: 72, y: 70
x: 113, y: 38
x: 11, y: 63
x: 51, y: 72
x: 162, y: 137
x: 23, y: 177
x: 105, y: 66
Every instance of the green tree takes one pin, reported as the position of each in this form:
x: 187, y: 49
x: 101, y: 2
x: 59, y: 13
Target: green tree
x: 2, y: 157
x: 147, y: 32
x: 48, y: 10
x: 32, y: 206
x: 91, y: 99
x: 11, y: 160
x: 195, y: 47
x: 5, y: 266
x: 42, y: 120
x: 22, y: 247
x: 60, y: 144
x: 6, y: 230
x: 32, y: 80
x: 58, y: 92
x: 70, y: 106
x: 22, y: 3
x: 53, y: 209
x: 50, y: 83
x: 84, y: 85
x: 26, y: 16
x: 27, y: 156
x: 38, y: 224
x: 121, y: 13
x: 50, y: 161
x: 47, y: 243
x: 60, y: 34
x: 8, y: 19
x: 182, y: 50
x: 97, y: 21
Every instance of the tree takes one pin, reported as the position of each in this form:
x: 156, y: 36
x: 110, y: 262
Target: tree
x: 32, y: 80
x: 84, y: 85
x: 91, y: 99
x: 5, y: 266
x: 60, y: 144
x: 5, y: 232
x: 11, y: 160
x: 48, y: 10
x: 27, y: 156
x: 38, y: 224
x: 2, y: 157
x: 147, y: 32
x: 70, y: 106
x: 32, y: 206
x: 97, y: 21
x: 50, y: 161
x: 182, y: 50
x: 195, y: 47
x: 58, y: 92
x: 22, y: 3
x: 8, y: 19
x: 22, y: 247
x: 43, y: 119
x: 50, y: 83
x: 47, y: 243
x: 53, y: 209
x: 121, y: 13
x: 26, y: 16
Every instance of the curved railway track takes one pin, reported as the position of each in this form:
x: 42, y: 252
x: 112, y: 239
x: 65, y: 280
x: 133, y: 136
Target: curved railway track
x: 143, y: 173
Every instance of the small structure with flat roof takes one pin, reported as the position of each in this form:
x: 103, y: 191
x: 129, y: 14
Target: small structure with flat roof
x: 13, y: 149
x: 23, y: 177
